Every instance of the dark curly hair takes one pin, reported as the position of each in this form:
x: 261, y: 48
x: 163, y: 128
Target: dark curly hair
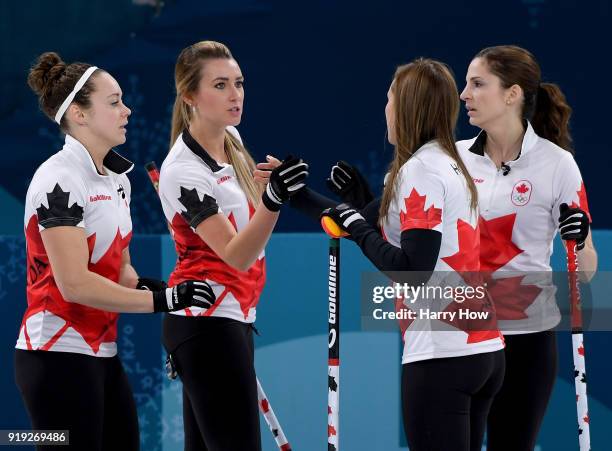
x: 52, y: 80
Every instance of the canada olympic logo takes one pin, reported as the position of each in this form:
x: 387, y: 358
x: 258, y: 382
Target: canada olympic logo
x: 521, y: 193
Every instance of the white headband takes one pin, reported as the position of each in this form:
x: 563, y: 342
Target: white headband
x: 62, y: 109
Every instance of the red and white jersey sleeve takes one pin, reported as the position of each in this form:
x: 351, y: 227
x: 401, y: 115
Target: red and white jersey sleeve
x: 519, y: 216
x: 568, y: 187
x: 67, y: 190
x: 431, y: 194
x: 194, y: 187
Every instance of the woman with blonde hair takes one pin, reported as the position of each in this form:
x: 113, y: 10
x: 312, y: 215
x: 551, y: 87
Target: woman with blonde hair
x: 429, y: 222
x: 221, y: 220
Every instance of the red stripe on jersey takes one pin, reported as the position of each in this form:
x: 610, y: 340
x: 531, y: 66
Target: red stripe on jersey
x: 496, y: 246
x: 94, y: 325
x: 583, y: 204
x: 54, y: 338
x: 211, y: 310
x: 416, y: 217
x: 197, y: 261
x: 27, y: 337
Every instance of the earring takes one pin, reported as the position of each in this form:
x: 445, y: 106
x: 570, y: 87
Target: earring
x: 507, y: 102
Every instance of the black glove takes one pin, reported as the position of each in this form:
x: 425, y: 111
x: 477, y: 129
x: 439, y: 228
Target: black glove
x: 344, y: 216
x: 348, y: 183
x: 196, y: 293
x: 285, y: 180
x: 573, y: 225
x: 151, y: 284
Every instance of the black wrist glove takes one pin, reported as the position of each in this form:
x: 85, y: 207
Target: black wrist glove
x: 348, y: 183
x: 344, y: 216
x: 151, y: 284
x: 190, y: 293
x: 573, y: 225
x: 285, y: 180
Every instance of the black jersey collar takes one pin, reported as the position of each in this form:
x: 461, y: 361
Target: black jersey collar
x: 529, y: 141
x: 117, y: 163
x: 196, y: 148
x: 478, y: 146
x: 112, y: 161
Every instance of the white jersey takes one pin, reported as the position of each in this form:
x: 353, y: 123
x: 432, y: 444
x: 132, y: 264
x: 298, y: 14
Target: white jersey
x: 193, y: 187
x: 67, y: 190
x: 431, y: 193
x: 519, y: 215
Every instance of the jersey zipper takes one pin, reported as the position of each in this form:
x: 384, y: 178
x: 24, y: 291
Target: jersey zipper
x: 494, y: 187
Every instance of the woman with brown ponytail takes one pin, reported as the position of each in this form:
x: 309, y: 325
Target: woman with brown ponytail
x: 221, y: 221
x: 429, y: 222
x: 528, y: 187
x: 78, y: 229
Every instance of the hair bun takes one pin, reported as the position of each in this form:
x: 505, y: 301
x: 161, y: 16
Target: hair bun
x: 48, y: 68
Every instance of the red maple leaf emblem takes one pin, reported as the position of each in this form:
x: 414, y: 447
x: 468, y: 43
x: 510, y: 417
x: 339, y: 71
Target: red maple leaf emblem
x: 198, y: 261
x: 94, y: 325
x: 108, y: 266
x: 265, y: 406
x: 583, y: 204
x: 416, y: 217
x: 331, y: 430
x: 581, y: 350
x: 404, y: 323
x: 586, y: 419
x: 467, y: 258
x: 522, y: 188
x: 511, y: 299
x: 478, y: 330
x: 496, y: 246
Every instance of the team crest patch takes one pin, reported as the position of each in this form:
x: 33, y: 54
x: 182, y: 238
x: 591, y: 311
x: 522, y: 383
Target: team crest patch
x: 521, y: 193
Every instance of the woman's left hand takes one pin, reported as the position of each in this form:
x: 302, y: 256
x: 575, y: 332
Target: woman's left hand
x: 344, y: 216
x: 262, y: 173
x: 573, y: 225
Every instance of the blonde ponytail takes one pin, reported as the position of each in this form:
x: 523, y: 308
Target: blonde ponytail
x: 244, y: 165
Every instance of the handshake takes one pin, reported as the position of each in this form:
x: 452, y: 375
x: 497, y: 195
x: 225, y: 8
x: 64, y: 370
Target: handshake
x: 352, y: 187
x: 283, y: 179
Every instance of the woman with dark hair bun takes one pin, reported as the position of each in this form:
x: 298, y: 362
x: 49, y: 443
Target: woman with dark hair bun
x: 78, y: 229
x: 529, y: 186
